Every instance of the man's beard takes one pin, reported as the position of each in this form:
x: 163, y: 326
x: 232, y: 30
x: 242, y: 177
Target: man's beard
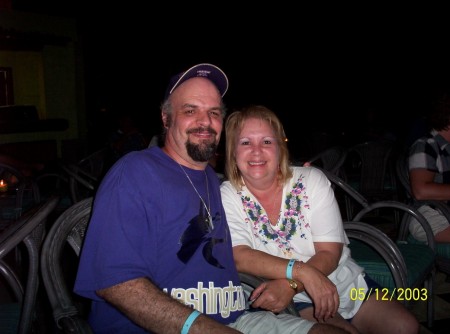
x: 201, y: 152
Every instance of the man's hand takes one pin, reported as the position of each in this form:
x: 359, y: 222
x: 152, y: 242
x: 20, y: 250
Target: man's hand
x: 274, y: 295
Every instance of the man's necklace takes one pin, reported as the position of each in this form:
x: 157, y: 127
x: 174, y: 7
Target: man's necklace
x: 207, y: 208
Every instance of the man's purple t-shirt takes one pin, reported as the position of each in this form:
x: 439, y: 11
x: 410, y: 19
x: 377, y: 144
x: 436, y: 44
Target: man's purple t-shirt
x: 148, y: 221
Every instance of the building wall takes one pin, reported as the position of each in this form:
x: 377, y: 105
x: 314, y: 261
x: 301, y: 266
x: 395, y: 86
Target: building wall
x: 49, y: 77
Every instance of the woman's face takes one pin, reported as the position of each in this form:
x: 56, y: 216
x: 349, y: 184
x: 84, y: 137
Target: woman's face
x: 257, y: 152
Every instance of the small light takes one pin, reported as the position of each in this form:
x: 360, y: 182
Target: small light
x: 3, y: 186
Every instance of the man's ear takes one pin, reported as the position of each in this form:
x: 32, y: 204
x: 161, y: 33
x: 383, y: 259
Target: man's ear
x: 164, y: 118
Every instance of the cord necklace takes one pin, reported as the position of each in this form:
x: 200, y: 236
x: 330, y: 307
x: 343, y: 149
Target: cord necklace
x: 207, y: 208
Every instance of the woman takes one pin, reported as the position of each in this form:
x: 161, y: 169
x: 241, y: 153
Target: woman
x: 286, y: 226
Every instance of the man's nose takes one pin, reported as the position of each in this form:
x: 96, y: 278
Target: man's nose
x: 204, y: 118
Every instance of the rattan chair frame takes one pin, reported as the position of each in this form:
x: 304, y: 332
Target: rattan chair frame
x: 29, y: 229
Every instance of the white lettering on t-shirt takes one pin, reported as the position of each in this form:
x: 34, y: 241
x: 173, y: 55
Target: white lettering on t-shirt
x: 211, y: 300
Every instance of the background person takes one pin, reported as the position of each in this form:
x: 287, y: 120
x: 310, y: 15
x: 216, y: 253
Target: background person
x: 429, y: 171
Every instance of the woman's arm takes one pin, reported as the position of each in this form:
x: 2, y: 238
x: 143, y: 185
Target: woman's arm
x: 327, y: 256
x: 318, y: 286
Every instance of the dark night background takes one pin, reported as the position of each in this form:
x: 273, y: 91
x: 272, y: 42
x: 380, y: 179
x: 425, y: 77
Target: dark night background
x: 318, y: 70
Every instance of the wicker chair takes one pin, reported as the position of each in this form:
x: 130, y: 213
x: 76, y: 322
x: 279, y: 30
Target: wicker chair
x: 85, y: 176
x: 373, y: 167
x: 364, y: 233
x: 69, y: 311
x: 19, y: 316
x: 331, y: 159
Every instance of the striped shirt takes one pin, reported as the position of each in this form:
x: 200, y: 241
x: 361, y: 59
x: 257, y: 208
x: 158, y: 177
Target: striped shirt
x: 431, y: 152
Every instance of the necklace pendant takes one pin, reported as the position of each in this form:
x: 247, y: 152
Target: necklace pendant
x: 209, y: 222
x: 208, y: 219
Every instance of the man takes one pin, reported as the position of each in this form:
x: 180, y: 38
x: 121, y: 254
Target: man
x: 158, y: 246
x: 429, y: 171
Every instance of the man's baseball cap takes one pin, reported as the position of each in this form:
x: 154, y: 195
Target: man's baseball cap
x: 209, y: 71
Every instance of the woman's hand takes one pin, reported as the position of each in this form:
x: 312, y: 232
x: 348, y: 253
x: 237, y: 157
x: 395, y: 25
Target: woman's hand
x: 322, y: 292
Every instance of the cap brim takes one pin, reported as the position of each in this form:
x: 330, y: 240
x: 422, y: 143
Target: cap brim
x: 209, y: 71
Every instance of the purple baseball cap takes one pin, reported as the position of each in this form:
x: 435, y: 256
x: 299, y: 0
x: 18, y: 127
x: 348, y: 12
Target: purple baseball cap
x: 209, y: 71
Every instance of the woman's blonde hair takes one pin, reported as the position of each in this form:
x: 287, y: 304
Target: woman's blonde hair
x: 233, y: 127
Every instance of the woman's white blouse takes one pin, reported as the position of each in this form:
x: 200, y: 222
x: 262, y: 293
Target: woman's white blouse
x: 309, y: 213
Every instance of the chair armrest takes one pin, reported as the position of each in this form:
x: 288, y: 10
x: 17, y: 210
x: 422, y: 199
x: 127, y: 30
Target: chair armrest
x: 388, y: 250
x: 408, y: 209
x: 348, y: 190
x: 74, y: 324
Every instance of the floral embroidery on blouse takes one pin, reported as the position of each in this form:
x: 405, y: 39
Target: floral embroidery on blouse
x: 291, y: 222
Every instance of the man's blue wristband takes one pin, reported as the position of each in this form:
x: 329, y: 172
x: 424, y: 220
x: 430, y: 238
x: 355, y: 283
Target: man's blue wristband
x: 289, y: 268
x: 189, y: 321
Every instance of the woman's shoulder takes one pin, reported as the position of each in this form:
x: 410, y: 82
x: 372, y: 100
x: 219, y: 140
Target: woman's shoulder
x: 307, y: 172
x: 310, y: 176
x: 226, y: 187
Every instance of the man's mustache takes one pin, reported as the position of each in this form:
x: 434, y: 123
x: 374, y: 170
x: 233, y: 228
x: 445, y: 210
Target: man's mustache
x: 197, y: 130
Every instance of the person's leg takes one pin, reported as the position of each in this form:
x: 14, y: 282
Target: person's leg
x: 326, y: 329
x: 337, y: 320
x: 438, y: 223
x: 268, y: 322
x: 378, y: 316
x: 443, y: 236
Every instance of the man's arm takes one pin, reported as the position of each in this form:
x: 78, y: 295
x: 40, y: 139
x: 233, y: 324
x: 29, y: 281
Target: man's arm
x: 149, y: 307
x: 423, y: 186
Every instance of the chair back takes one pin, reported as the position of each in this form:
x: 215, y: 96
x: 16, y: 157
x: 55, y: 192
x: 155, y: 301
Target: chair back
x: 29, y: 230
x: 331, y: 159
x: 401, y: 168
x: 95, y: 163
x: 85, y: 176
x: 371, y: 167
x: 349, y: 199
x: 69, y: 311
x: 82, y: 184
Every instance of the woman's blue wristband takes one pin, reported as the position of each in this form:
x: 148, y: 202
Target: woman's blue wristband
x: 289, y: 268
x: 189, y: 321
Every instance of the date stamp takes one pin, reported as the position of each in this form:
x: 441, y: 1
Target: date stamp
x: 400, y: 294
